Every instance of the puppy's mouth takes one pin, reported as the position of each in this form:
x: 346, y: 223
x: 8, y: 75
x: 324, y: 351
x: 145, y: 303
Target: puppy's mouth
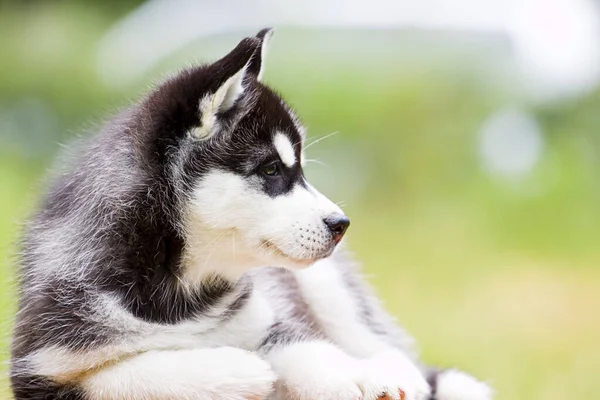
x: 267, y: 244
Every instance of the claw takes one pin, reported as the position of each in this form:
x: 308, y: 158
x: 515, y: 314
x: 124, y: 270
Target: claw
x: 386, y: 396
x: 401, y: 393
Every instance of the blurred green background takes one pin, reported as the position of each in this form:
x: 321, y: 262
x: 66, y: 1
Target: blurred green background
x: 493, y: 273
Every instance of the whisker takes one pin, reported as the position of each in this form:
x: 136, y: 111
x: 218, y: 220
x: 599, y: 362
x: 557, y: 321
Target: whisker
x: 319, y: 139
x: 314, y: 160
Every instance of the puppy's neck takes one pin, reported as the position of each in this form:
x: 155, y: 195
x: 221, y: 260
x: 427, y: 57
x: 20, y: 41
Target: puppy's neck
x: 215, y: 255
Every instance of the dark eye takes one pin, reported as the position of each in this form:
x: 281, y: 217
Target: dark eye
x: 270, y: 169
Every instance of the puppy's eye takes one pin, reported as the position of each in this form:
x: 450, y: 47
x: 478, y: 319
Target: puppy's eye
x: 270, y: 169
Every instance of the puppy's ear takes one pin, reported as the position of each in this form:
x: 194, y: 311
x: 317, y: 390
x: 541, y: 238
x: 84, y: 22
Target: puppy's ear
x: 230, y: 72
x: 257, y: 63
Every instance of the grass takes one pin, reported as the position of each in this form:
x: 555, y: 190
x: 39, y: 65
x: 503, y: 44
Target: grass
x: 497, y: 277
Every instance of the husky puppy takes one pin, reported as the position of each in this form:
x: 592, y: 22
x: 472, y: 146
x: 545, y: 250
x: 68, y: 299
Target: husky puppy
x: 169, y: 261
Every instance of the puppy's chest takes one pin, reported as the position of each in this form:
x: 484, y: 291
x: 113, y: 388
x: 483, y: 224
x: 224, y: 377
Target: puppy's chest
x: 275, y: 298
x: 247, y: 327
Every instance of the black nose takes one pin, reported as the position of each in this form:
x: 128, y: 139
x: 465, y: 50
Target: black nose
x: 337, y: 224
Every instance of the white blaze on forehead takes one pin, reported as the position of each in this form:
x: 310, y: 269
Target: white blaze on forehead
x: 285, y: 149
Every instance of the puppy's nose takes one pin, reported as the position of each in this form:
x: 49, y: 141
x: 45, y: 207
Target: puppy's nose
x: 337, y: 224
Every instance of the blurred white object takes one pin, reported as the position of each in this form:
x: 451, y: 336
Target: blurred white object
x: 556, y: 43
x: 510, y: 143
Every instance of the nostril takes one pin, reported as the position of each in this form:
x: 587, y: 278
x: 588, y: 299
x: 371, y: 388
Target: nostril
x: 337, y: 225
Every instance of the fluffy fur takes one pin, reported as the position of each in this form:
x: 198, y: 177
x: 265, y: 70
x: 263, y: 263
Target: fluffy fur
x: 168, y: 261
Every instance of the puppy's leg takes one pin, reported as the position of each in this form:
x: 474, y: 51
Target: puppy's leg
x: 347, y: 310
x: 354, y: 318
x: 199, y: 374
x: 311, y: 368
x: 314, y: 370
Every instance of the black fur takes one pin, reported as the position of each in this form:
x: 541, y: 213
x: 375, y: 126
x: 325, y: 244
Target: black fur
x: 110, y: 225
x: 38, y: 388
x: 117, y: 210
x: 252, y: 146
x: 432, y: 378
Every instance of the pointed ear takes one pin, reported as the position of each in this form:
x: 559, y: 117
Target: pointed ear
x: 257, y: 64
x: 230, y: 72
x: 226, y: 95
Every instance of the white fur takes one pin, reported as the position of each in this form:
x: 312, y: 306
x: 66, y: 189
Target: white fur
x: 201, y: 374
x: 244, y: 330
x: 222, y: 100
x: 64, y: 365
x: 394, y: 370
x: 323, y: 288
x: 456, y: 385
x: 319, y: 370
x: 386, y: 368
x: 284, y: 149
x: 232, y: 226
x: 315, y: 370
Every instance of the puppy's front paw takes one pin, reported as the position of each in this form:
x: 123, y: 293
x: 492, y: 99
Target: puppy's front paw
x: 457, y: 385
x: 393, y: 376
x: 315, y: 371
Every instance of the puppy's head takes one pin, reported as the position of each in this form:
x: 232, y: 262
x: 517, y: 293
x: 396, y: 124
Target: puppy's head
x: 232, y: 151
